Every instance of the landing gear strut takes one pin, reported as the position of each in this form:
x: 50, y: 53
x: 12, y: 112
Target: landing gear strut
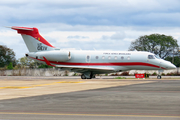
x: 159, y: 74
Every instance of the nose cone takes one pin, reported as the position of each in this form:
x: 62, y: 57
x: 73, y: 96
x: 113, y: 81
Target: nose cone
x: 172, y: 66
x: 169, y: 65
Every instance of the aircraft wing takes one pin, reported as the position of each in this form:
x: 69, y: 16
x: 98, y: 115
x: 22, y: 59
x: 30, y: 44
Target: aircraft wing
x: 85, y: 69
x: 81, y: 69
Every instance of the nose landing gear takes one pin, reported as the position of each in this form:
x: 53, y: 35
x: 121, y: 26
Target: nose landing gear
x: 159, y: 74
x: 159, y: 77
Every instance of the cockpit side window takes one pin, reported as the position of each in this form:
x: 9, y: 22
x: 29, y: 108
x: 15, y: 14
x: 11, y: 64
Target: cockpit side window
x: 151, y: 57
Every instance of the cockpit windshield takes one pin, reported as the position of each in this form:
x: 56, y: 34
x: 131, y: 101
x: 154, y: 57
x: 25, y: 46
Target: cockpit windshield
x: 151, y: 57
x: 157, y: 57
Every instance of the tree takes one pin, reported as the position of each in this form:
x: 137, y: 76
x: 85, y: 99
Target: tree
x: 24, y: 61
x: 7, y: 56
x: 158, y: 44
x: 44, y: 66
x: 176, y: 60
x: 10, y: 66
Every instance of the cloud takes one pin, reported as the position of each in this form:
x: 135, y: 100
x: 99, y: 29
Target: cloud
x: 118, y: 36
x: 13, y: 41
x: 77, y: 37
x: 99, y: 24
x: 96, y: 12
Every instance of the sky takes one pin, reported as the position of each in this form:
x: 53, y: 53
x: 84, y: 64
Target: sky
x: 88, y: 24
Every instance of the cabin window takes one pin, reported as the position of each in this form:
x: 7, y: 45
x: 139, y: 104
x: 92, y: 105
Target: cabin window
x: 88, y: 57
x: 103, y: 57
x: 115, y: 57
x: 128, y: 58
x: 122, y: 58
x: 109, y: 57
x: 151, y: 57
x: 97, y: 57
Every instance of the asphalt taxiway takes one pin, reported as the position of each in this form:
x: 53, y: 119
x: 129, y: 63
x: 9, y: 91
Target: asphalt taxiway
x: 71, y: 99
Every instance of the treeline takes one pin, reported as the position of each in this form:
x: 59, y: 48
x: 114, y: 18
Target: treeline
x: 166, y: 47
x: 8, y: 60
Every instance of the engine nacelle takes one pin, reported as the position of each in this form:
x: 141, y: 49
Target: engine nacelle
x: 59, y: 55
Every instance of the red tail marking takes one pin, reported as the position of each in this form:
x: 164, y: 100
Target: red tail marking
x: 32, y: 32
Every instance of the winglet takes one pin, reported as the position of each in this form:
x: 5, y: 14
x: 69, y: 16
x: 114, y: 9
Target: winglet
x: 47, y: 62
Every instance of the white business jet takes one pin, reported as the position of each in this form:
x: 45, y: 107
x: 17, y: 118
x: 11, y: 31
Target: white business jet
x: 88, y: 63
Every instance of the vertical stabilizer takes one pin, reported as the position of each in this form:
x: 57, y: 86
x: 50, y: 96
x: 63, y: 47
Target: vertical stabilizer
x: 33, y: 40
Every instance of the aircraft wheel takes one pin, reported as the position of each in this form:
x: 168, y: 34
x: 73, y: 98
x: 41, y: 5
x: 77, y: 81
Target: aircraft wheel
x: 91, y: 76
x: 83, y: 76
x: 159, y: 77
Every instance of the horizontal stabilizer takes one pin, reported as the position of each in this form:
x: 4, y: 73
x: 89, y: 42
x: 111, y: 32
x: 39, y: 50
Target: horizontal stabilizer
x: 21, y: 28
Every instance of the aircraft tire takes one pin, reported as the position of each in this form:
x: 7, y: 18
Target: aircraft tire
x: 83, y: 76
x: 159, y: 77
x: 90, y: 76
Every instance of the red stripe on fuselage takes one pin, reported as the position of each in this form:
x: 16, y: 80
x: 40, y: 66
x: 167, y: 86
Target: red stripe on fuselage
x: 103, y: 64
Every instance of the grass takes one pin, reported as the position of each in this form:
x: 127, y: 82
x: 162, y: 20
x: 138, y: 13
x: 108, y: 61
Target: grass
x: 119, y: 78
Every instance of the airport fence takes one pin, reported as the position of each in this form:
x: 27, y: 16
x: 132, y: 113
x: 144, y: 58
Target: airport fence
x: 58, y: 72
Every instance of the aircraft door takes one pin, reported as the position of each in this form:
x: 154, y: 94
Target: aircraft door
x: 88, y: 58
x: 159, y: 64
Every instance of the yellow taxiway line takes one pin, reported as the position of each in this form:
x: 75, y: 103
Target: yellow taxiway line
x: 63, y: 114
x: 32, y: 86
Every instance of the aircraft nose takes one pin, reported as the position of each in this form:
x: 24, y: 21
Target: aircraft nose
x: 172, y: 66
x: 169, y: 65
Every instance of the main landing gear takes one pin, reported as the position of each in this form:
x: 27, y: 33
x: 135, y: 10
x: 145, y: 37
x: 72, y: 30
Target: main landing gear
x: 87, y: 76
x: 83, y: 76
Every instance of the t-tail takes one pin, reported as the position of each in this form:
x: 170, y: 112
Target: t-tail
x: 33, y: 40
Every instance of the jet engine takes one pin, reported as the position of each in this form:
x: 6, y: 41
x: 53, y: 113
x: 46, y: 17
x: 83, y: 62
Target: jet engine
x: 54, y: 55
